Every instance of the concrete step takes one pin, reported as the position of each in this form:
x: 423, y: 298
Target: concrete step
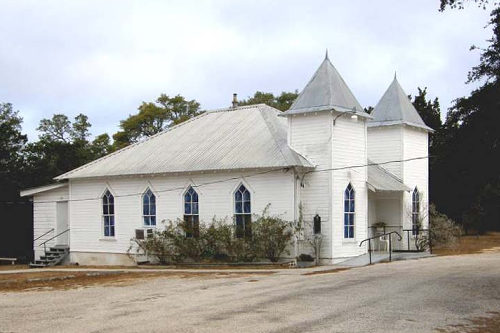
x: 59, y: 249
x: 382, y: 256
x: 52, y: 257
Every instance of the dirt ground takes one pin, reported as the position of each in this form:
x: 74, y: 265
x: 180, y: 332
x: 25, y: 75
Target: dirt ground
x: 9, y: 267
x: 43, y: 281
x: 482, y: 324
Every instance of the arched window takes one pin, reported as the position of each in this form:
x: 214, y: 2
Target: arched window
x: 149, y: 208
x: 349, y: 212
x: 415, y: 211
x: 242, y: 212
x: 191, y: 214
x: 108, y: 214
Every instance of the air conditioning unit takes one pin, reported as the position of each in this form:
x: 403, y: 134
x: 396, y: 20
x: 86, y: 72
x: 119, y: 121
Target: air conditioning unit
x: 139, y: 233
x: 142, y: 233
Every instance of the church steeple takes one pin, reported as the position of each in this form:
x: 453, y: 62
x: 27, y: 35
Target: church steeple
x: 326, y: 90
x: 395, y: 108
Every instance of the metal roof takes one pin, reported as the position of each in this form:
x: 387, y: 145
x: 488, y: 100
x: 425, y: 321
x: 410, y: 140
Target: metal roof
x: 326, y: 90
x: 379, y: 179
x: 395, y: 108
x: 35, y: 190
x: 246, y: 137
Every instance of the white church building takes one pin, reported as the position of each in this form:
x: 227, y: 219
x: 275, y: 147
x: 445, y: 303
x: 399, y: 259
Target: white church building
x: 352, y: 169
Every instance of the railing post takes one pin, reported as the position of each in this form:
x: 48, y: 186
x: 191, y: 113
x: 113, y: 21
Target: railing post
x: 370, y: 250
x: 390, y: 248
x: 408, y: 238
x: 430, y: 240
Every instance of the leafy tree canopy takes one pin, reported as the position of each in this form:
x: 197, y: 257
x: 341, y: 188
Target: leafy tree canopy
x: 465, y: 183
x: 429, y: 111
x: 11, y: 138
x: 281, y: 102
x: 12, y: 142
x: 59, y: 128
x: 63, y: 145
x: 460, y: 3
x: 154, y: 117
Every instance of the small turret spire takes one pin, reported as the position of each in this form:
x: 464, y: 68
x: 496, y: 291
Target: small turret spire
x: 326, y: 55
x: 395, y: 75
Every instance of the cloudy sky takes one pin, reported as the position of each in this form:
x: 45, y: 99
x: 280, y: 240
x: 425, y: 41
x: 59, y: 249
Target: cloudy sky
x: 103, y: 58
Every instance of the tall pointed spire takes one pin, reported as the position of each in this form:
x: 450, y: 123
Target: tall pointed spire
x: 326, y: 91
x: 395, y: 108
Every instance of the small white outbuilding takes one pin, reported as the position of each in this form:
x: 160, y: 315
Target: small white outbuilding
x: 325, y: 154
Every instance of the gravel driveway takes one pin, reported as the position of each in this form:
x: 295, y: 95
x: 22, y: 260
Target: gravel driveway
x: 407, y: 296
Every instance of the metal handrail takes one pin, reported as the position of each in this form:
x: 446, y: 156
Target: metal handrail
x: 43, y: 235
x: 417, y: 231
x: 378, y: 236
x: 59, y: 234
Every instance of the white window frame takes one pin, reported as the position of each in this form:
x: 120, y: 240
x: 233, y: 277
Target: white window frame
x: 243, y: 213
x: 103, y: 216
x: 415, y: 210
x: 191, y: 215
x: 149, y: 210
x: 352, y: 198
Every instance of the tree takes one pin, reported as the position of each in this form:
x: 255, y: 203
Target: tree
x: 430, y: 111
x: 281, y: 102
x: 63, y: 146
x: 154, y: 117
x: 58, y: 128
x: 12, y: 141
x: 80, y: 128
x: 467, y: 182
x: 101, y: 145
x: 460, y: 3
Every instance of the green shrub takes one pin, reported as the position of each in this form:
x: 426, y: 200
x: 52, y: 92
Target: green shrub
x: 305, y: 257
x: 443, y: 230
x: 271, y: 236
x: 217, y: 242
x: 218, y: 238
x: 161, y: 244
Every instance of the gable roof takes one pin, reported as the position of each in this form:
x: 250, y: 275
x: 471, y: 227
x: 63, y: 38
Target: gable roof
x: 246, y: 137
x: 326, y: 90
x: 395, y: 108
x: 382, y: 180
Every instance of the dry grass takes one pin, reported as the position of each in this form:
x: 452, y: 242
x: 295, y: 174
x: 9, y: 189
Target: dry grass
x: 486, y: 324
x: 39, y: 281
x: 9, y: 267
x: 472, y: 244
x: 328, y: 271
x: 184, y: 267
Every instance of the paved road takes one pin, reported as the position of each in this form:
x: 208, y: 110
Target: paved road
x: 406, y: 296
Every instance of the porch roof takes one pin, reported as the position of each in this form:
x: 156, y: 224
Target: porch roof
x: 380, y: 179
x: 35, y: 190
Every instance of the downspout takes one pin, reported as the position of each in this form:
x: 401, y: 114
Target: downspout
x: 295, y: 194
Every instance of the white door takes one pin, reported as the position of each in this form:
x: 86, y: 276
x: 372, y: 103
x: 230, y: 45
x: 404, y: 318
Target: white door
x: 62, y: 223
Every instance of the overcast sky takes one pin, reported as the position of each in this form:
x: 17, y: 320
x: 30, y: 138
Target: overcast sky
x: 103, y: 58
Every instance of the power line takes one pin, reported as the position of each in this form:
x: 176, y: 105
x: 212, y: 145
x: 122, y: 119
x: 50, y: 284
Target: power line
x: 239, y: 177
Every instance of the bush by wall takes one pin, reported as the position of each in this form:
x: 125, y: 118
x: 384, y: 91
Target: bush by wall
x: 217, y: 241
